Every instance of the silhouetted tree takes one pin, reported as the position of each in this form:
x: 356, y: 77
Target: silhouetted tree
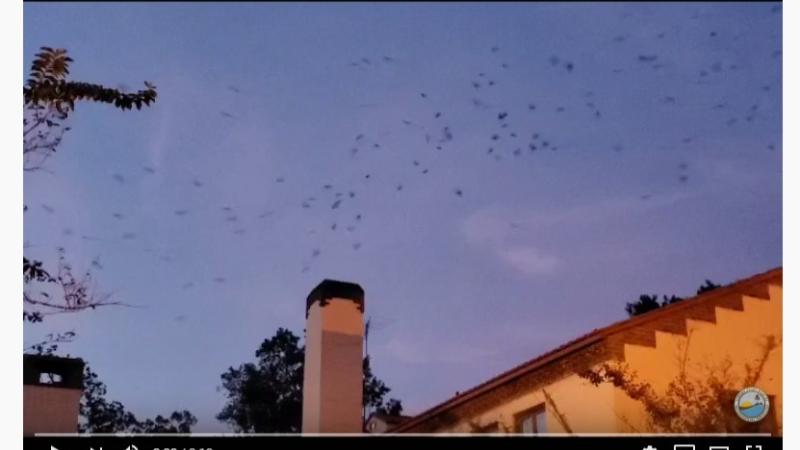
x: 49, y: 98
x: 708, y: 286
x: 267, y: 396
x: 98, y: 415
x: 647, y: 303
x: 391, y: 408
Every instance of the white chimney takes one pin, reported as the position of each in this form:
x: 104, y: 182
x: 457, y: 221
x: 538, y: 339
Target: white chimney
x: 333, y: 371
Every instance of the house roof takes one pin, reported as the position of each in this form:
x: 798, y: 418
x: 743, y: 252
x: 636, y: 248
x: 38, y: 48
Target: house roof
x: 389, y: 419
x: 584, y: 341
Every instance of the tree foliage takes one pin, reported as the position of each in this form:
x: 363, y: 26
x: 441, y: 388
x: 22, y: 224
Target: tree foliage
x: 64, y: 292
x: 647, y: 303
x: 47, y: 84
x: 267, y: 396
x: 702, y: 403
x: 49, y: 345
x: 99, y: 415
x: 49, y: 98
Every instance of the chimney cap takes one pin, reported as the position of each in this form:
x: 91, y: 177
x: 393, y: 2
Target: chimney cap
x: 328, y: 289
x: 69, y: 369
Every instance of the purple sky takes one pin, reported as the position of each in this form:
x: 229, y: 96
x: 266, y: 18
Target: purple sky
x: 662, y: 168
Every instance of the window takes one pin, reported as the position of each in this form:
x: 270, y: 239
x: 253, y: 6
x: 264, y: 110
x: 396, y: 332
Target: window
x: 50, y: 378
x: 532, y: 421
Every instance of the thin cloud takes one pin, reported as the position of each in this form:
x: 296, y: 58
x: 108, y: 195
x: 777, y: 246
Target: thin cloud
x: 530, y: 260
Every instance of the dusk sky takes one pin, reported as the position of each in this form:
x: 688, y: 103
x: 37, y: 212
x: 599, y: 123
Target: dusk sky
x: 501, y: 178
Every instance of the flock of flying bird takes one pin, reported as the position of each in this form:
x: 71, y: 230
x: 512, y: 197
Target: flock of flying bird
x: 504, y: 141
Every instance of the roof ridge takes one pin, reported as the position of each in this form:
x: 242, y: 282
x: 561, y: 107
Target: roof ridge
x: 586, y: 339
